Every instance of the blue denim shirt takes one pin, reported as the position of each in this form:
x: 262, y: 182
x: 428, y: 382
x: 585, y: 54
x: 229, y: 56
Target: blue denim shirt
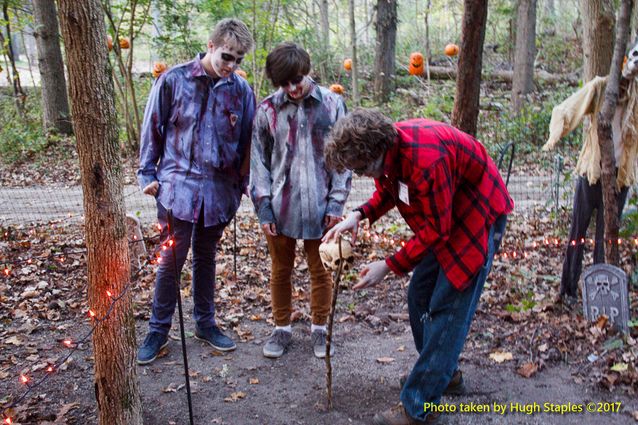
x: 289, y: 182
x: 195, y: 136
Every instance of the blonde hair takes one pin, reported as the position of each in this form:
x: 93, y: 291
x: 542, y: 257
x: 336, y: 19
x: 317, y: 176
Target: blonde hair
x: 232, y: 31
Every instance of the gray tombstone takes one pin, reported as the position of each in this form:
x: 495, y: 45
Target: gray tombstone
x: 605, y: 292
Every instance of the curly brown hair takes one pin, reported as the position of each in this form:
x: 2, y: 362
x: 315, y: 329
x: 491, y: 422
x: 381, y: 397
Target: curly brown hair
x: 360, y: 137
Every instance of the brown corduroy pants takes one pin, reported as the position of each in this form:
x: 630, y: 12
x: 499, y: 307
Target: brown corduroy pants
x: 282, y: 255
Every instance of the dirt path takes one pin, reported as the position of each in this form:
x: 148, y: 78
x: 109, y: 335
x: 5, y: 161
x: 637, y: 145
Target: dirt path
x: 291, y: 390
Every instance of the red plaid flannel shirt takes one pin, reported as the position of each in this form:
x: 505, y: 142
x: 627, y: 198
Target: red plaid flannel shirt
x: 455, y: 194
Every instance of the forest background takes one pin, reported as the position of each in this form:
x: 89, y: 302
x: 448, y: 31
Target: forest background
x: 535, y: 53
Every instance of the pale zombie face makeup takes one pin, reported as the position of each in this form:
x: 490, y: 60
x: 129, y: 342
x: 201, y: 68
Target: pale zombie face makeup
x: 224, y: 59
x: 631, y: 67
x: 297, y: 88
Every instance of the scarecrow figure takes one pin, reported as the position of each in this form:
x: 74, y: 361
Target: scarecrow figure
x: 588, y: 101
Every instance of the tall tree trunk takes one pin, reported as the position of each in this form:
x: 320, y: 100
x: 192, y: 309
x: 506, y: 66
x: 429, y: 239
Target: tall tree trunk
x: 550, y: 16
x: 598, y: 37
x: 426, y: 42
x: 524, y: 55
x: 55, y: 104
x: 355, y: 65
x: 386, y: 28
x: 468, y: 79
x: 325, y: 24
x: 95, y: 124
x: 7, y: 45
x: 610, y: 189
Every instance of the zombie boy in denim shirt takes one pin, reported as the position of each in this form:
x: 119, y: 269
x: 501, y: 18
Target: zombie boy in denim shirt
x: 194, y: 160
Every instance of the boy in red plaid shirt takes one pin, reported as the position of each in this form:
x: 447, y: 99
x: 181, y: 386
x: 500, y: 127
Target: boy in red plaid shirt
x: 452, y: 196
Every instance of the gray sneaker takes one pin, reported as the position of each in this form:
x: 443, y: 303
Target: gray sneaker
x: 277, y: 343
x: 318, y: 338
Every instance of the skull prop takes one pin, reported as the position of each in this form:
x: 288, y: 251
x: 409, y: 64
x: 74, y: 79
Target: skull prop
x: 630, y: 70
x: 329, y: 253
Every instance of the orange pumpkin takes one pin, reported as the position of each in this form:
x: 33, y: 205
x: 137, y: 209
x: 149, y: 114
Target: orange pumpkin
x: 241, y: 73
x: 451, y: 50
x: 158, y: 69
x: 347, y: 64
x: 416, y: 64
x: 124, y: 43
x: 337, y: 88
x: 109, y: 42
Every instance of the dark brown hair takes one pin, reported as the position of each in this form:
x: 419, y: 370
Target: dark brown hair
x: 362, y: 136
x: 285, y: 62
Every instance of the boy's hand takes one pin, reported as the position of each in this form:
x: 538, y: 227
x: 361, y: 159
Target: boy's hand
x: 372, y: 274
x: 269, y: 229
x: 151, y: 189
x: 330, y: 221
x: 350, y: 224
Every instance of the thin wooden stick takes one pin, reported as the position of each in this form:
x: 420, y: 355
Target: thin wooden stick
x: 333, y: 307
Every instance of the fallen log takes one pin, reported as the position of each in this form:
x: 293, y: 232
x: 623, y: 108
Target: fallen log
x: 540, y: 77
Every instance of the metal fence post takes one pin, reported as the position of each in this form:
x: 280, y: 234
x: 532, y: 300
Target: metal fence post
x: 558, y: 170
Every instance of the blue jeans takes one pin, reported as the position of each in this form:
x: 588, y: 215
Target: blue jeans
x: 440, y: 318
x: 204, y: 243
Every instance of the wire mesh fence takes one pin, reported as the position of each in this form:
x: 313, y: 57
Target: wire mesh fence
x: 40, y: 204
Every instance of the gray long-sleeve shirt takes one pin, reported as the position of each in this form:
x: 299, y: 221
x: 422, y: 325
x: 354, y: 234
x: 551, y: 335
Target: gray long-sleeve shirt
x: 289, y: 182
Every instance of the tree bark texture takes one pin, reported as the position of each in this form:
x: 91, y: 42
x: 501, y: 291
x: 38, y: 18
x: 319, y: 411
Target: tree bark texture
x: 55, y: 104
x: 93, y: 110
x: 386, y: 29
x: 325, y: 24
x: 598, y: 37
x: 605, y: 116
x: 525, y: 52
x: 7, y: 45
x: 468, y: 79
x: 355, y: 65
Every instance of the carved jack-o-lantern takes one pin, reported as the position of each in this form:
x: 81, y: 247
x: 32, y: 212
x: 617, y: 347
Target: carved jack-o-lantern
x: 124, y: 43
x: 347, y: 64
x: 416, y: 64
x: 451, y: 50
x: 337, y: 88
x: 109, y: 42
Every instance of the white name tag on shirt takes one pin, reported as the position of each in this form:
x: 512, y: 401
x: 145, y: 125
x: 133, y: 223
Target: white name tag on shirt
x: 403, y: 193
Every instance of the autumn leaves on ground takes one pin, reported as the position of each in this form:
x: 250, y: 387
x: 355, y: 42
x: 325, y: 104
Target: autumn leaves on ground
x: 520, y: 331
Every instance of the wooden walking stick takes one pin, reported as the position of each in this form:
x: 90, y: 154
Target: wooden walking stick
x: 335, y: 292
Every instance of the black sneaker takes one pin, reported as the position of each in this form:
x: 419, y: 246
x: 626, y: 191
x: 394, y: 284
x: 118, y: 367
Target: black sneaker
x: 215, y: 338
x: 455, y: 387
x: 277, y: 343
x: 152, y: 346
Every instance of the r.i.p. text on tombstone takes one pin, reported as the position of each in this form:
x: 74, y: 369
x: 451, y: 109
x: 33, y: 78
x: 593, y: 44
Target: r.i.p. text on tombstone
x: 605, y: 292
